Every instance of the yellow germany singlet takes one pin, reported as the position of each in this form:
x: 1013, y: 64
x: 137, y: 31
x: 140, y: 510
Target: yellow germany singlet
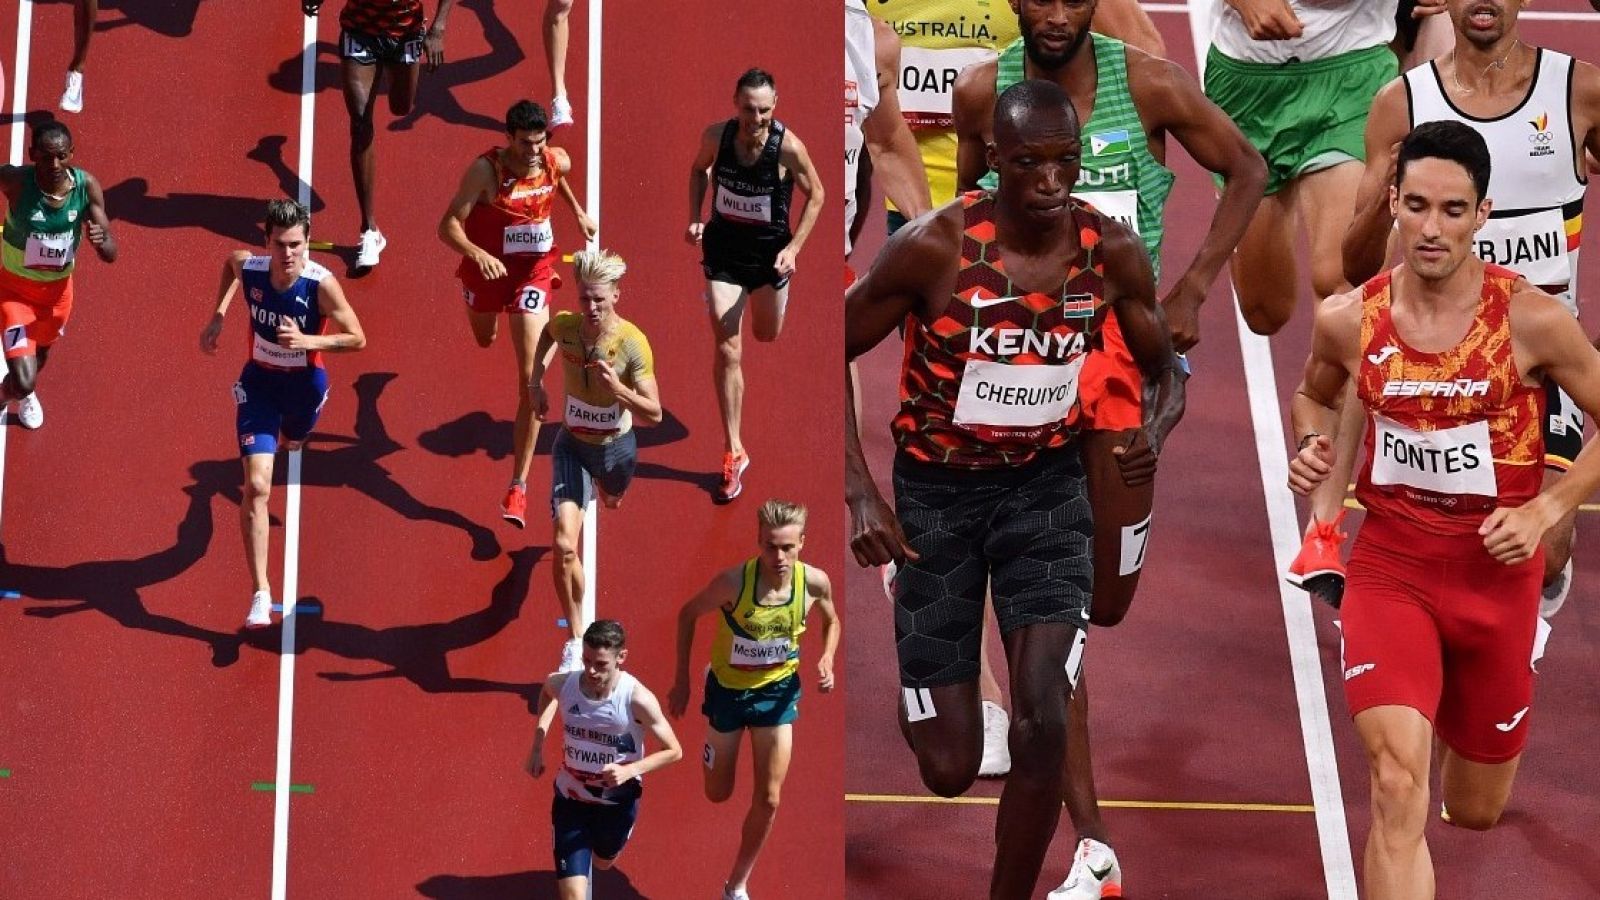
x: 758, y: 645
x: 591, y: 411
x: 939, y: 38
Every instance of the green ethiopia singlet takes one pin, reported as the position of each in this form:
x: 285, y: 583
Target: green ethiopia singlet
x: 40, y: 240
x: 1118, y: 175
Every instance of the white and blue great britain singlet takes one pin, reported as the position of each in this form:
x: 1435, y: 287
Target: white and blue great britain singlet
x: 596, y: 733
x: 1536, y: 225
x: 860, y: 98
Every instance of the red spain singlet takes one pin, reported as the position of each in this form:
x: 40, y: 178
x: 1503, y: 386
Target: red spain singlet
x: 1450, y: 435
x: 515, y: 225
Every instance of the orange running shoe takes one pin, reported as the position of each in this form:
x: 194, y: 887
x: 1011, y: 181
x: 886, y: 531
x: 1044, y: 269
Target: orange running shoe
x: 1318, y: 568
x: 733, y: 466
x: 515, y: 507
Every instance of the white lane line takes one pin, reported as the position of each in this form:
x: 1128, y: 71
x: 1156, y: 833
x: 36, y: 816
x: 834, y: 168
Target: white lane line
x: 1316, y: 733
x: 591, y: 522
x: 291, y: 523
x: 19, y: 111
x: 1535, y: 15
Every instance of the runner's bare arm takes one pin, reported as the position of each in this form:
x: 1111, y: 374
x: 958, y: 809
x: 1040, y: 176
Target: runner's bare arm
x: 894, y: 152
x: 1218, y: 145
x: 647, y: 712
x: 863, y: 197
x: 793, y: 156
x: 721, y: 593
x: 972, y: 107
x: 98, y: 228
x: 700, y: 179
x: 819, y: 593
x: 1131, y: 290
x: 231, y: 273
x: 894, y: 288
x: 433, y: 43
x: 332, y: 302
x: 547, y: 719
x: 1313, y: 412
x: 542, y: 353
x: 1268, y: 20
x: 643, y: 399
x: 563, y: 166
x: 1366, y: 243
x: 476, y: 184
x: 1586, y: 110
x: 1547, y: 341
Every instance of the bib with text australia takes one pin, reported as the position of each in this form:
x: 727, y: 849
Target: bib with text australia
x: 1449, y: 462
x: 997, y: 397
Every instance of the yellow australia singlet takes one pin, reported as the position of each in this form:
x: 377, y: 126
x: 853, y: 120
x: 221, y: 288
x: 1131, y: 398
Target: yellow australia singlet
x: 939, y: 38
x: 591, y: 411
x: 758, y: 645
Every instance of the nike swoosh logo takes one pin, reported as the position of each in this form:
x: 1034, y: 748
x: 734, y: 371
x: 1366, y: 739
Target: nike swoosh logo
x: 981, y: 302
x: 1515, y: 720
x: 1100, y: 874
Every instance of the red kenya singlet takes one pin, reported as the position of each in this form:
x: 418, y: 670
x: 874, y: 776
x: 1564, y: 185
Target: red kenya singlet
x: 994, y: 380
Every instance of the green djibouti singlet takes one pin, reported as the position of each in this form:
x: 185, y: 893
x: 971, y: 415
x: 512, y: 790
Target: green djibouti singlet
x: 1118, y: 175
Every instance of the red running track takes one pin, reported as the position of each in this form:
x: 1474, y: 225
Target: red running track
x: 136, y: 719
x: 1192, y: 696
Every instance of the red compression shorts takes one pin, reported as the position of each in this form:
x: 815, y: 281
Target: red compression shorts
x: 1110, y: 387
x: 32, y: 313
x: 521, y: 291
x: 1437, y: 624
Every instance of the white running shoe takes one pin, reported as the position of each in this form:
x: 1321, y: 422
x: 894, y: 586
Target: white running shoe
x: 29, y: 412
x: 1555, y: 593
x: 571, y: 656
x: 889, y: 571
x: 996, y: 749
x: 72, y: 98
x: 560, y: 112
x: 372, y: 244
x: 729, y: 893
x: 260, y: 610
x: 1095, y: 874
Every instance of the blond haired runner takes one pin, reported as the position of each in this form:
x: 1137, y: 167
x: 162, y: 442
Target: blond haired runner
x: 610, y: 381
x: 753, y: 682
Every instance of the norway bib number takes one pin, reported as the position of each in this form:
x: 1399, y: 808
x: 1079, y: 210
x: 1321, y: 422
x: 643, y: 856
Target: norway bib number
x: 1452, y: 467
x: 529, y: 237
x: 265, y: 351
x: 742, y: 208
x: 51, y: 252
x: 1001, y: 401
x: 1120, y: 205
x: 588, y: 419
x: 748, y: 653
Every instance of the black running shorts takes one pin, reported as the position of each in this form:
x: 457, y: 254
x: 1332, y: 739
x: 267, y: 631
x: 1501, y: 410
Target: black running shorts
x: 371, y: 49
x: 1024, y: 533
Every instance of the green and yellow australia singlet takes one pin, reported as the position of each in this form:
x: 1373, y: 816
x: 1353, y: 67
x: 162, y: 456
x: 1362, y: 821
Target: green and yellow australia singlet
x: 760, y: 645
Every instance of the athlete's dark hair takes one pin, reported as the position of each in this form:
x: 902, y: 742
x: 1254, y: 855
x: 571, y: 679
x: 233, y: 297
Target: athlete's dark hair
x: 49, y: 129
x: 755, y: 78
x: 1451, y: 141
x: 287, y: 214
x: 605, y: 634
x: 526, y: 115
x: 1023, y: 100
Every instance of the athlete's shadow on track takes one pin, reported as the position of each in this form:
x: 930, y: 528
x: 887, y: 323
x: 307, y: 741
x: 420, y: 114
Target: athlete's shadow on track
x: 235, y: 218
x: 171, y: 18
x: 112, y: 586
x: 419, y: 653
x: 480, y: 432
x: 611, y: 884
x: 435, y: 90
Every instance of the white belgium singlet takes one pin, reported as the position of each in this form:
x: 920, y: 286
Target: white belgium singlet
x: 860, y: 98
x: 596, y: 733
x: 1536, y: 224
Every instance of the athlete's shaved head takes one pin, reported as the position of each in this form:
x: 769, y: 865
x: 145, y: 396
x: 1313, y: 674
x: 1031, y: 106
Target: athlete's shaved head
x: 45, y: 131
x: 1033, y: 107
x: 526, y: 115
